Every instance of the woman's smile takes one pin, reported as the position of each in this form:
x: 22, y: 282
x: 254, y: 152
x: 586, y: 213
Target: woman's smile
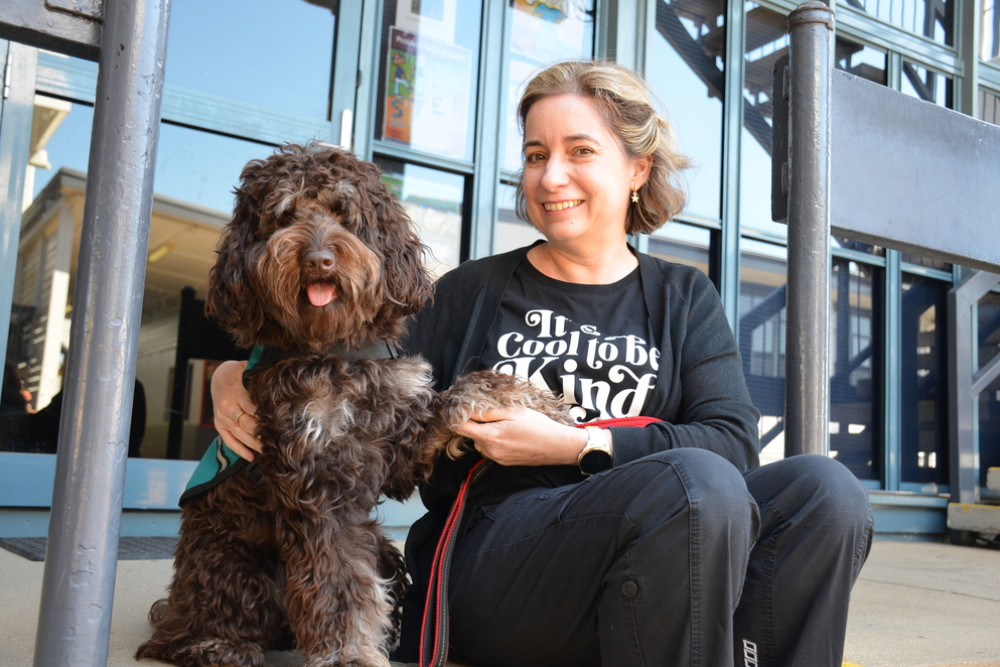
x: 561, y: 205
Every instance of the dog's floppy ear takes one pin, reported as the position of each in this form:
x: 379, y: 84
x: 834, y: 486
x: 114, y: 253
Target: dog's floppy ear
x: 405, y: 279
x: 229, y: 299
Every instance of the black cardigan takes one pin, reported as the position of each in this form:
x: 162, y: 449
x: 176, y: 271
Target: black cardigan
x: 700, y: 392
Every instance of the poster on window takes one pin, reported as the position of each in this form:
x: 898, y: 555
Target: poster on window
x: 428, y: 92
x: 430, y: 18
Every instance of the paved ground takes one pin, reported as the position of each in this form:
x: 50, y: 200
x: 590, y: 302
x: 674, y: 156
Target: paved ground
x: 917, y: 604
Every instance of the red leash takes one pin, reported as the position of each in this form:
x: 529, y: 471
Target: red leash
x: 434, y: 634
x: 434, y: 628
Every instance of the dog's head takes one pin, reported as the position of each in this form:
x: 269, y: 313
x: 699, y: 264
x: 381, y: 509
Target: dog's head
x: 318, y: 253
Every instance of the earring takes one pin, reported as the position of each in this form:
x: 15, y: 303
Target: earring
x: 635, y: 195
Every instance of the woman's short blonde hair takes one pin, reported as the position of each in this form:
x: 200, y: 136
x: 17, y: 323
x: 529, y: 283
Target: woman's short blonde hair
x: 626, y: 105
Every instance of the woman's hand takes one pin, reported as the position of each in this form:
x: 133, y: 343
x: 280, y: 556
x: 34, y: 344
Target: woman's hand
x: 234, y: 413
x: 523, y: 437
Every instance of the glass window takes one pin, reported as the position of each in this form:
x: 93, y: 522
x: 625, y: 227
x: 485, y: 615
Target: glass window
x: 989, y: 107
x: 929, y: 262
x: 864, y: 61
x: 688, y: 50
x: 850, y: 244
x: 933, y: 20
x: 766, y: 42
x: 202, y: 168
x: 988, y: 312
x: 924, y: 390
x: 989, y: 430
x: 855, y: 411
x: 194, y: 180
x: 511, y: 232
x: 989, y: 26
x: 54, y: 196
x: 762, y: 338
x: 989, y: 401
x: 683, y: 244
x: 541, y: 33
x: 928, y: 85
x: 270, y: 53
x: 434, y: 201
x: 428, y: 76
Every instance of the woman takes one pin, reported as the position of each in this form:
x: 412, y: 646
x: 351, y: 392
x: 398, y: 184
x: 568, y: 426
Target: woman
x: 680, y: 550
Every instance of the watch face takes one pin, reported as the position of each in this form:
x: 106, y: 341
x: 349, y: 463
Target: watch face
x: 595, y: 461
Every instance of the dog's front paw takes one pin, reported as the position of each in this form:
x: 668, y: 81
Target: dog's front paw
x: 214, y: 652
x: 370, y: 661
x: 481, y: 391
x: 224, y: 653
x: 158, y: 611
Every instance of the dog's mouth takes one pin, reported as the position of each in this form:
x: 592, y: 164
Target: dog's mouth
x: 321, y: 293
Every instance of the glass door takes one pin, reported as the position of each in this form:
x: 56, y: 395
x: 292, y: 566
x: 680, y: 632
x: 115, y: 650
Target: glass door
x: 241, y: 77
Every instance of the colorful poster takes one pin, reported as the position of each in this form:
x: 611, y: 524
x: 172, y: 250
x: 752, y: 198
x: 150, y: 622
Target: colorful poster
x: 429, y: 18
x: 428, y: 93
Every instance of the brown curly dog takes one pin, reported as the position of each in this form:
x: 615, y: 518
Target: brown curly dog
x: 318, y: 262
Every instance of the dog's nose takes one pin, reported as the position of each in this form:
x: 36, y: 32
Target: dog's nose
x: 319, y: 260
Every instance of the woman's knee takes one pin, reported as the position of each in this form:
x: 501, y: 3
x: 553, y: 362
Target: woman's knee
x: 823, y: 485
x: 710, y: 485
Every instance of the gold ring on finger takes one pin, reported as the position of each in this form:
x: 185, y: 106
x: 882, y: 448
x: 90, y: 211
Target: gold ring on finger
x: 239, y: 414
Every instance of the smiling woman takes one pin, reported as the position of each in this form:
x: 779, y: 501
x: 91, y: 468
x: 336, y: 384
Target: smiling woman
x: 577, y: 177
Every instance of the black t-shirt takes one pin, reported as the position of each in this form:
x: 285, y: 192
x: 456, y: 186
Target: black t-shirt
x: 587, y: 343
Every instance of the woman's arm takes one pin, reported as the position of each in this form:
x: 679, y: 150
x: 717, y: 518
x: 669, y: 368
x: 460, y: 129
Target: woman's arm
x: 233, y: 411
x: 710, y: 406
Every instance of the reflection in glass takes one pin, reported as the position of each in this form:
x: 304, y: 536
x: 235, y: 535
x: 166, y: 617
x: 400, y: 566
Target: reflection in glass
x: 202, y: 168
x: 855, y: 411
x: 989, y: 107
x: 924, y: 395
x: 850, y: 244
x: 929, y: 262
x: 988, y: 321
x: 864, y: 61
x: 989, y: 46
x: 60, y: 139
x: 196, y: 173
x: 682, y: 243
x: 434, y: 200
x: 428, y: 76
x: 270, y: 53
x: 541, y: 33
x: 928, y: 85
x: 766, y: 43
x: 510, y: 231
x: 194, y: 179
x: 688, y: 48
x: 762, y: 338
x: 933, y: 20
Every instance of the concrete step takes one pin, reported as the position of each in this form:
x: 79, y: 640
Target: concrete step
x: 974, y: 518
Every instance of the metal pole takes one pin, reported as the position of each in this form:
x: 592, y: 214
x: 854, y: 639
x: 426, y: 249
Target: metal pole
x: 810, y: 27
x: 78, y: 586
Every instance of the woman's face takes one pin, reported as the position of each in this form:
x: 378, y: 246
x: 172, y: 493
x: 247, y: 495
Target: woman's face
x: 577, y: 178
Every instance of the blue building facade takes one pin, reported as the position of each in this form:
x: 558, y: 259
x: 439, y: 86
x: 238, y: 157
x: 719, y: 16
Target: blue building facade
x: 427, y: 91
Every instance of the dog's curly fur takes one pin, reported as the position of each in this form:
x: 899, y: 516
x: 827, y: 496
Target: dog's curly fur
x: 295, y: 558
x: 483, y: 391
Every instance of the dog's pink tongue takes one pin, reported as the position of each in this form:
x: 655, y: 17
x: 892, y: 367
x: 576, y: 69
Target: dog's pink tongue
x: 320, y: 294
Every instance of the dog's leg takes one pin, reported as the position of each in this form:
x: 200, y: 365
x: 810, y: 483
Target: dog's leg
x: 392, y: 568
x: 223, y: 606
x: 338, y: 605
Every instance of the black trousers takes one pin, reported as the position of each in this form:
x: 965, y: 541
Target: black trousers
x: 675, y: 559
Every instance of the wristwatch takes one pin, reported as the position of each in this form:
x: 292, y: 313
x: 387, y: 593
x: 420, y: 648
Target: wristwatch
x: 596, y: 455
